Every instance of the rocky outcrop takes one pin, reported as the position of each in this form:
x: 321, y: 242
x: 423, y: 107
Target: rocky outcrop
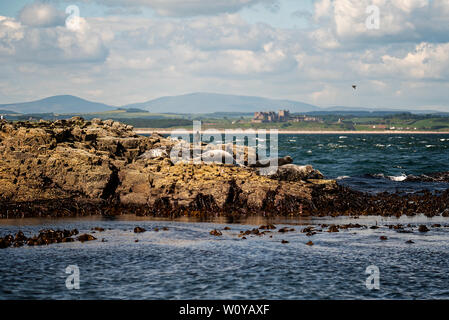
x: 74, y: 166
x: 78, y: 167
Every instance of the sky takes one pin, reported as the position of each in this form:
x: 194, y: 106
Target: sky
x: 120, y: 52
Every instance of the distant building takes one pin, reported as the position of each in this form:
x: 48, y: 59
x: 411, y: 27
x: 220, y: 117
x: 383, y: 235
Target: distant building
x: 305, y: 118
x: 271, y: 116
x: 282, y: 116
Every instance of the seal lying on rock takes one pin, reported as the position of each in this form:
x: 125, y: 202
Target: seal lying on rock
x: 293, y: 172
x: 216, y: 156
x: 266, y: 163
x: 153, y: 154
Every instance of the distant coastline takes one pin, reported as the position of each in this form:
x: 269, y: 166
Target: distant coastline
x: 168, y: 131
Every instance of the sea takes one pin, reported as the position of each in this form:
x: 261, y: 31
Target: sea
x: 186, y: 262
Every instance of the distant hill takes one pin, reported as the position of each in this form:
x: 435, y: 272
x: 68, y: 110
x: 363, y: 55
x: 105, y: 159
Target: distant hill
x: 7, y: 112
x: 58, y: 104
x: 222, y: 105
x: 214, y: 102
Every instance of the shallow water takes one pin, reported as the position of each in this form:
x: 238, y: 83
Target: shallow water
x: 186, y: 262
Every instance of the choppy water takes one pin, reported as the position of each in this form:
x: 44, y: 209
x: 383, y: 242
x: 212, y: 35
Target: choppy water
x: 186, y: 262
x: 372, y: 162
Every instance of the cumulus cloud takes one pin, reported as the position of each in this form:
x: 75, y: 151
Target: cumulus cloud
x: 426, y: 61
x: 40, y: 14
x: 400, y: 20
x: 58, y: 44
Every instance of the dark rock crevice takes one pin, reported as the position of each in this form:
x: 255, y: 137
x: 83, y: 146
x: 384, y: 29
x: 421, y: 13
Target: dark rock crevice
x: 109, y: 192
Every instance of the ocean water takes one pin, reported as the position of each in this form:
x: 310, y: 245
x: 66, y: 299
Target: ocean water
x: 186, y: 262
x: 372, y: 163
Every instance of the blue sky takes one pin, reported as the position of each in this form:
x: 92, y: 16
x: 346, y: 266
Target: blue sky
x: 311, y: 50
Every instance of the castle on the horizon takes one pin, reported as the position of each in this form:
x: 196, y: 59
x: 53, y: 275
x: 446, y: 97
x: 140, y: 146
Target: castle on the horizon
x: 271, y: 116
x: 281, y: 116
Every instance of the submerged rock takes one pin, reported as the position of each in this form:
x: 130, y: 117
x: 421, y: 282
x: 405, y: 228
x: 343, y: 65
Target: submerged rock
x: 139, y: 230
x: 45, y: 237
x: 423, y: 228
x: 86, y: 237
x: 431, y: 177
x: 216, y: 233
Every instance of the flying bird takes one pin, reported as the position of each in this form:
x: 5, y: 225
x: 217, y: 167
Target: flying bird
x: 354, y: 86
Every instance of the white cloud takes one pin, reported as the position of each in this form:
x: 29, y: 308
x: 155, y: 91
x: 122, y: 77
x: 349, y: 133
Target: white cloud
x: 121, y: 59
x: 323, y: 9
x: 56, y: 44
x: 40, y: 14
x: 400, y: 20
x: 427, y: 61
x: 410, y: 5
